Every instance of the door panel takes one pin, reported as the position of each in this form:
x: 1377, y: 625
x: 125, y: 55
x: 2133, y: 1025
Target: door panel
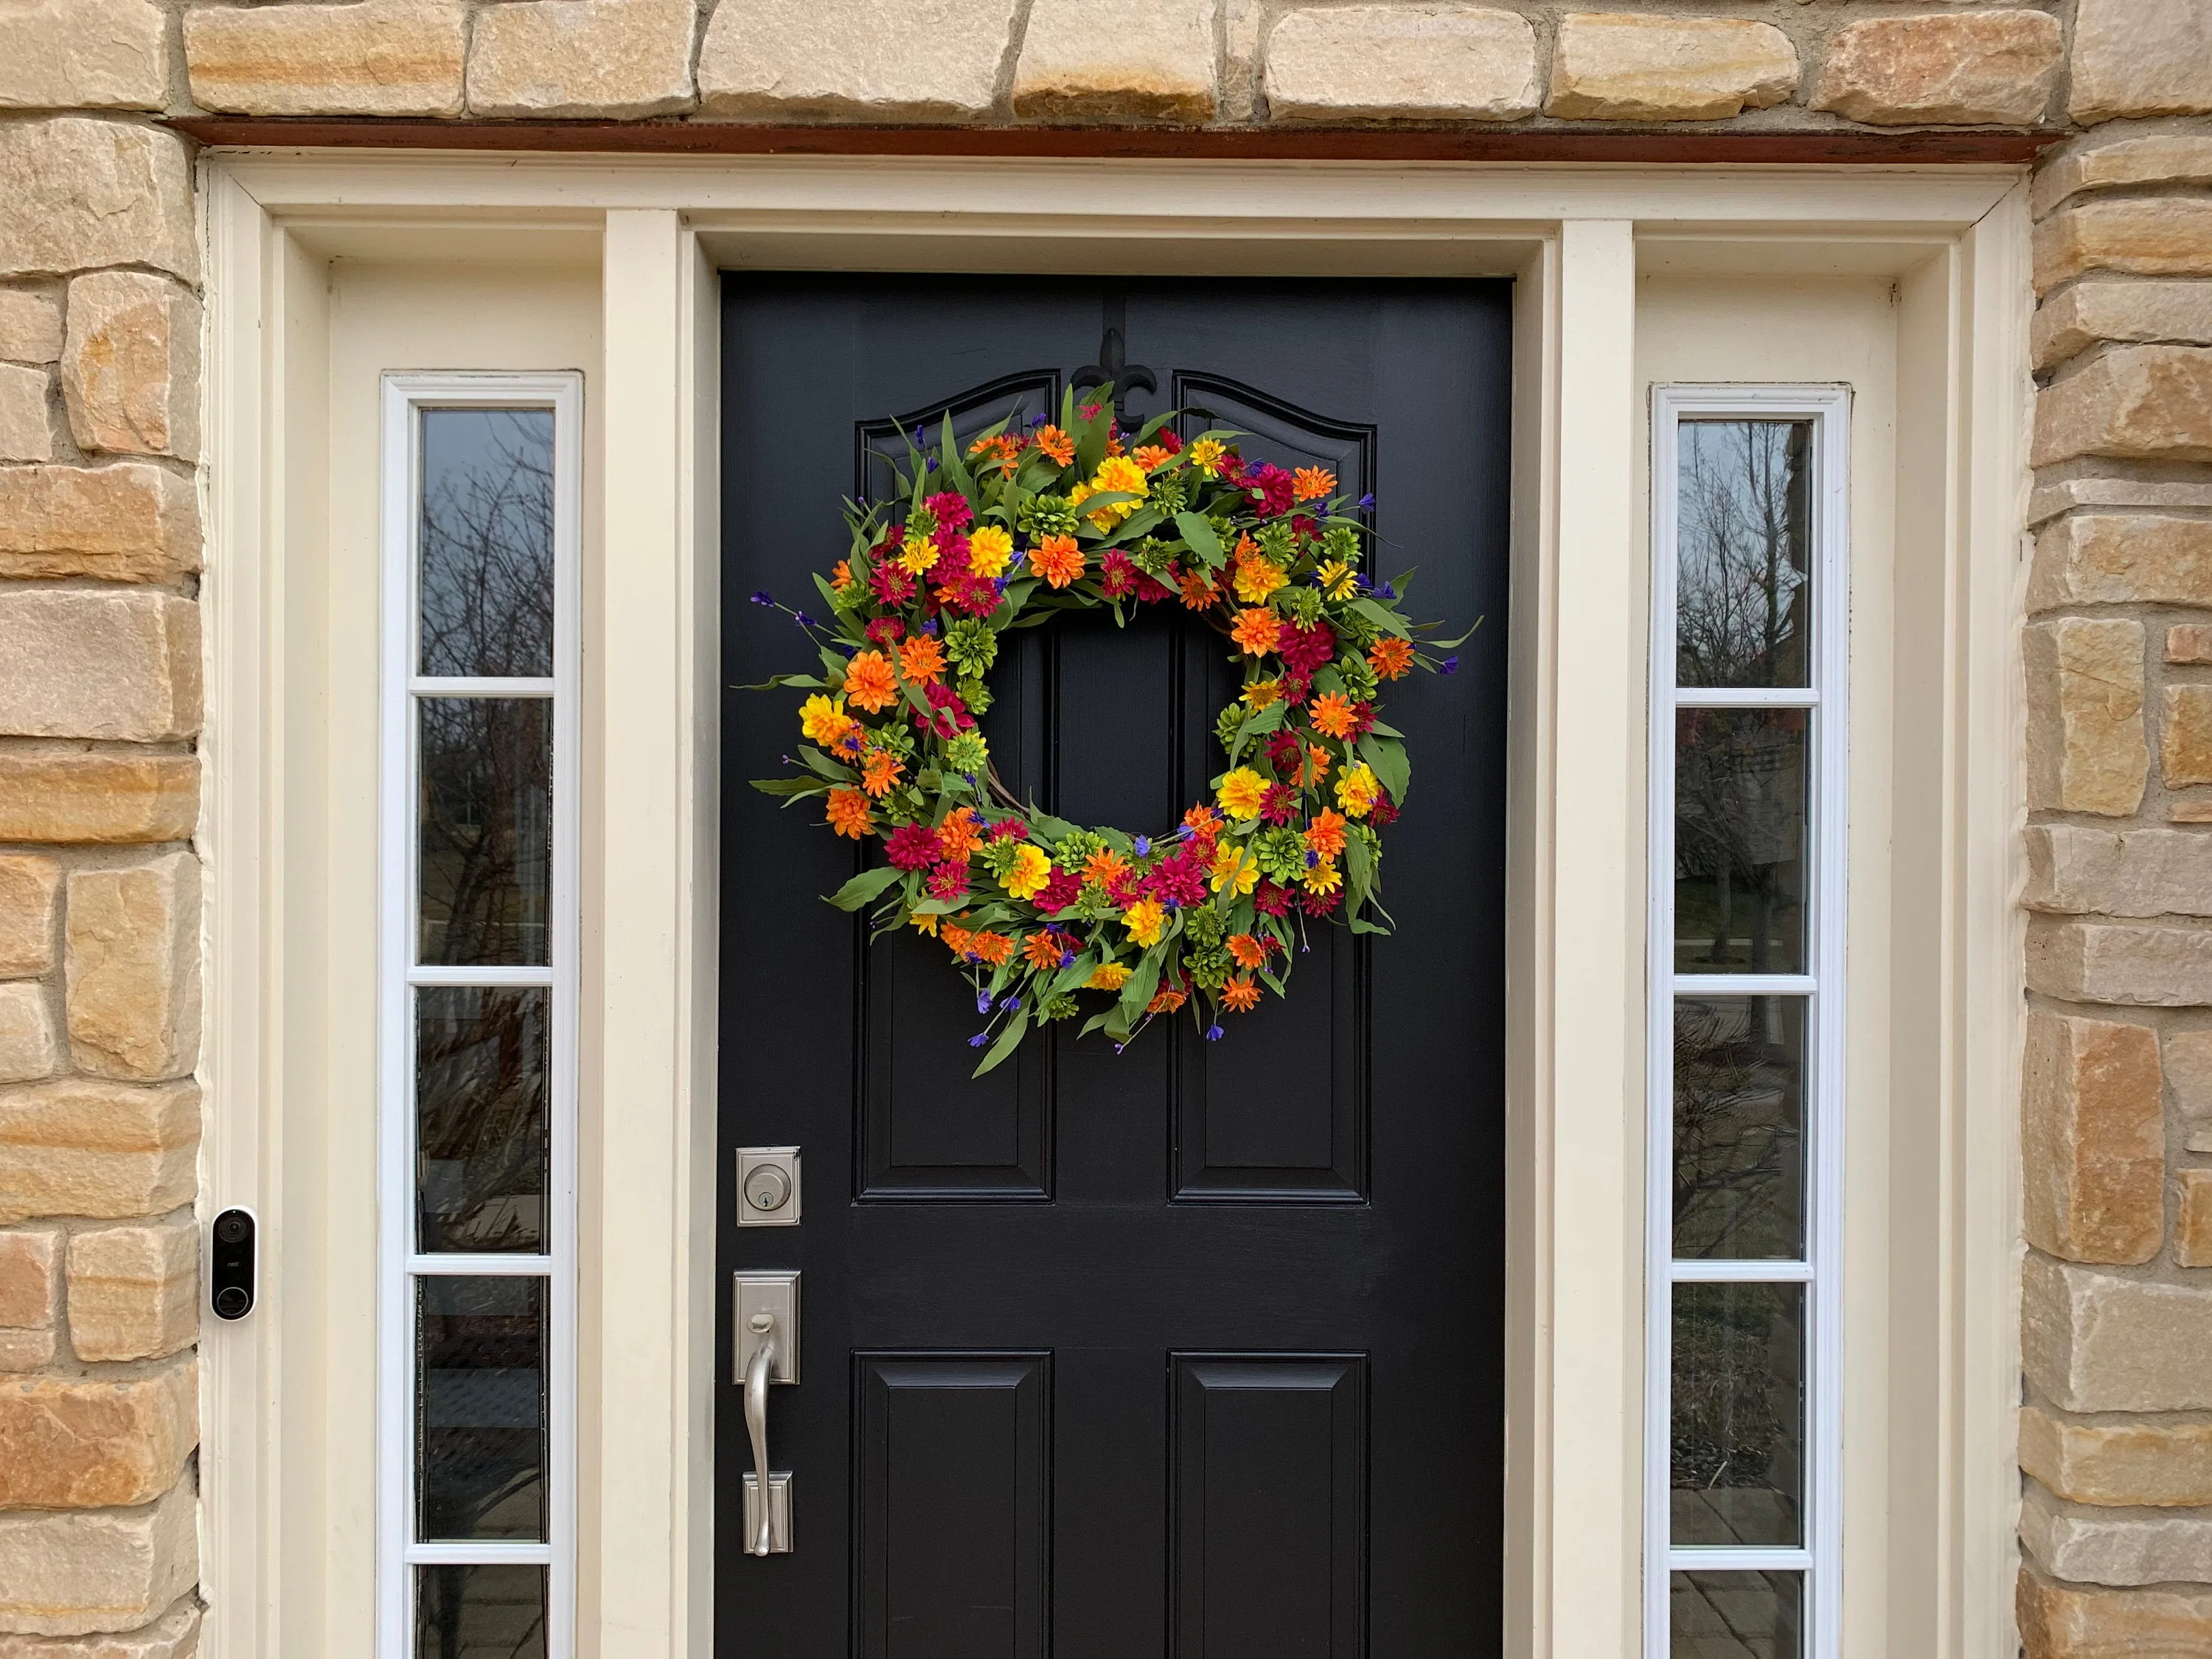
x: 1195, y: 1349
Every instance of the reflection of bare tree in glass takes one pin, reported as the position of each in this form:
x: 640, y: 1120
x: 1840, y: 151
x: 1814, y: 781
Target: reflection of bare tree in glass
x: 487, y: 542
x: 1739, y: 824
x: 480, y: 1412
x: 1736, y: 1396
x: 1738, y: 1129
x: 480, y: 1093
x: 481, y: 1613
x: 1742, y: 491
x: 486, y: 807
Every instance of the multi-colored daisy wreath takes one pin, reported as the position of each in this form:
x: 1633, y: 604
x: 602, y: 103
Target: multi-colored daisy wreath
x: 1075, y: 514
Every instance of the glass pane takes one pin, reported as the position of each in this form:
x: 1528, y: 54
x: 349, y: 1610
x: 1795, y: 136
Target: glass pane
x: 1737, y: 1447
x: 479, y: 1613
x: 1740, y: 841
x: 1736, y: 1615
x: 480, y: 1092
x: 487, y: 541
x: 486, y: 809
x: 480, y: 1407
x: 1744, y: 595
x: 1739, y: 1128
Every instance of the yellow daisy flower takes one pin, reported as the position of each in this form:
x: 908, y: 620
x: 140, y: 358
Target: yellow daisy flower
x: 1337, y: 579
x: 1235, y: 869
x: 1321, y: 879
x: 824, y: 720
x: 1144, y: 919
x: 1242, y: 793
x: 1260, y: 693
x: 988, y: 550
x: 1108, y: 976
x: 1205, y: 455
x: 918, y: 554
x: 1356, y: 790
x: 1256, y: 579
x: 1031, y: 870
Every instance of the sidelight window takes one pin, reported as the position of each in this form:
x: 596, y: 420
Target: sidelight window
x: 477, y: 1016
x: 1746, y: 1035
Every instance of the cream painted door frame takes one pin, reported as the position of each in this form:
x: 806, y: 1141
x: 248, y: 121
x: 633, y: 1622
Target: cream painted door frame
x: 651, y: 233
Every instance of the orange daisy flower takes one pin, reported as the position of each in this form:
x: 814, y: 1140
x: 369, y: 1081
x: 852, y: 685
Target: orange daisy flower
x: 956, y: 938
x: 1055, y: 444
x: 1315, y: 767
x: 1257, y: 631
x: 1203, y: 820
x: 1241, y: 994
x: 1041, y: 952
x: 1149, y: 456
x: 1332, y: 714
x: 1197, y: 591
x: 956, y: 836
x: 1391, y: 657
x: 840, y: 575
x: 994, y: 948
x: 1325, y: 834
x: 1107, y: 867
x: 921, y: 658
x: 1250, y: 952
x: 879, y: 771
x: 869, y: 682
x: 1167, y: 1001
x: 1310, y: 482
x: 1057, y: 559
x: 848, y: 813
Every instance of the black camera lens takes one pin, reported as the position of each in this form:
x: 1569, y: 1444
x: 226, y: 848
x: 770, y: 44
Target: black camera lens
x: 230, y: 1302
x: 231, y: 1228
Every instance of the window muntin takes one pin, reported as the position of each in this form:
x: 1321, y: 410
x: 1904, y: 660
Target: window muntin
x: 477, y: 1016
x: 1744, y: 1147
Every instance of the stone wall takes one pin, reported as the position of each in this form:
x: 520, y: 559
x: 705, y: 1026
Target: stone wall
x: 101, y: 668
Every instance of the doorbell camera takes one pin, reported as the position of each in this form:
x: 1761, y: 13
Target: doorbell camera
x: 230, y: 1264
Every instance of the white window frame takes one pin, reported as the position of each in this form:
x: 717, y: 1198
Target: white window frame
x: 405, y: 396
x: 1819, y: 1557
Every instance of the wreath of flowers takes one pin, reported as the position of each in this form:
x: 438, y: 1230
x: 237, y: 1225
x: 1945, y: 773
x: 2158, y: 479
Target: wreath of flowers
x: 1069, y: 515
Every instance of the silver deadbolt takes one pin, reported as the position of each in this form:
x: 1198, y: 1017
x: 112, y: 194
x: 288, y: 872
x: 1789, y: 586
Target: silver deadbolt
x: 767, y: 1186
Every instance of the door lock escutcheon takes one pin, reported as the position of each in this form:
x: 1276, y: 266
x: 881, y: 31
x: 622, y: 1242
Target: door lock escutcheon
x: 767, y: 1186
x: 765, y: 1340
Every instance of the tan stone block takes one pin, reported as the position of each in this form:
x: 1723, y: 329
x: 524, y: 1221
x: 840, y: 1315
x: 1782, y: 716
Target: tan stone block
x: 853, y: 60
x: 1984, y: 68
x: 129, y: 522
x: 2131, y: 963
x: 2089, y: 1547
x: 2189, y: 811
x: 26, y: 1033
x: 2067, y: 1622
x: 1401, y: 62
x: 2189, y: 642
x: 2184, y: 751
x: 2188, y: 1066
x: 89, y: 1442
x: 30, y: 326
x: 26, y: 1351
x: 29, y: 886
x: 2140, y: 57
x: 2093, y: 1341
x: 130, y: 369
x: 1626, y: 66
x: 76, y: 192
x: 2193, y: 1227
x: 133, y: 969
x: 174, y: 1635
x: 2093, y: 1139
x: 2085, y: 695
x: 134, y: 1291
x: 2156, y: 236
x: 2076, y: 869
x: 64, y: 1573
x: 2117, y: 558
x: 83, y: 1147
x: 2077, y: 318
x: 119, y: 665
x: 26, y: 430
x: 2142, y: 1464
x: 105, y: 797
x: 83, y: 54
x: 610, y: 59
x: 375, y: 57
x: 1153, y: 62
x: 2116, y: 161
x: 2149, y: 403
x: 30, y: 1279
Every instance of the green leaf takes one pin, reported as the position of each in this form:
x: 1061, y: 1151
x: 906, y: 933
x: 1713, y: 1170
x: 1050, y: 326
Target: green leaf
x: 1388, y: 757
x: 812, y: 681
x: 790, y: 786
x: 822, y: 764
x: 1008, y: 1041
x: 1381, y: 614
x: 954, y: 465
x: 864, y: 887
x: 1446, y: 645
x: 1359, y: 927
x: 1202, y: 540
x: 1142, y: 983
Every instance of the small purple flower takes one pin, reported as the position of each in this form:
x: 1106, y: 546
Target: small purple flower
x: 1448, y: 665
x: 919, y: 437
x: 1144, y: 846
x: 1119, y: 1046
x: 1011, y: 1005
x: 1312, y: 858
x: 982, y: 1002
x: 979, y: 1039
x: 1387, y: 591
x: 1037, y: 419
x: 1068, y: 958
x: 1367, y: 500
x: 929, y: 626
x: 763, y: 597
x: 1214, y: 1033
x: 932, y: 463
x: 845, y: 647
x: 803, y: 619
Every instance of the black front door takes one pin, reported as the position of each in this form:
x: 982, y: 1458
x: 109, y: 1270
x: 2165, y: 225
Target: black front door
x: 1195, y: 1350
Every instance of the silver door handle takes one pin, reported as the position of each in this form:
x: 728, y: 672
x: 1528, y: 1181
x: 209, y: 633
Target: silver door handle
x: 757, y: 1370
